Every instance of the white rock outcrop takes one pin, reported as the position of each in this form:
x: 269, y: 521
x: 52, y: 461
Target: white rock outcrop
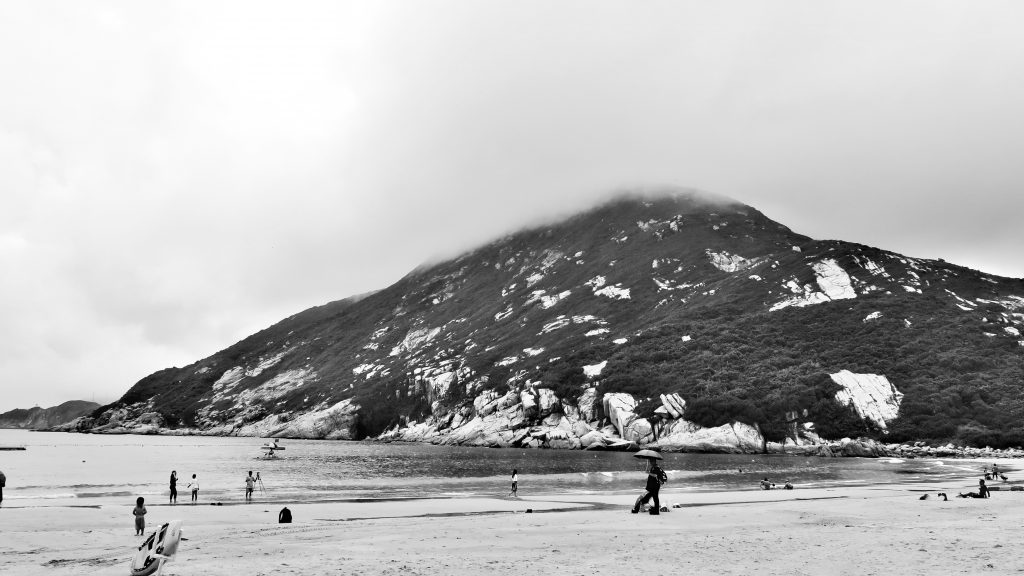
x: 674, y: 405
x: 727, y: 262
x: 833, y: 284
x: 594, y: 370
x: 871, y: 395
x: 686, y: 436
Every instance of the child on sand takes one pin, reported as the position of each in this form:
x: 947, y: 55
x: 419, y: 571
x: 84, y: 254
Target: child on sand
x: 140, y: 516
x: 194, y: 485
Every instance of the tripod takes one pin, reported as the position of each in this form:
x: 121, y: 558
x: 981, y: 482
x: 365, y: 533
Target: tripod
x: 263, y: 489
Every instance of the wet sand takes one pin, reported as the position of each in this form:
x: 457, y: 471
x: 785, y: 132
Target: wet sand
x: 862, y: 530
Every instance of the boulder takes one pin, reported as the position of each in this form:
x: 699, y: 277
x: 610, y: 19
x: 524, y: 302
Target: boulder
x: 547, y: 402
x: 528, y: 399
x: 618, y: 407
x: 682, y: 435
x: 593, y: 438
x: 588, y: 405
x: 673, y: 404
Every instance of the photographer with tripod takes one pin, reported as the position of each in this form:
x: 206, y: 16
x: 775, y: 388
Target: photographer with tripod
x: 250, y: 485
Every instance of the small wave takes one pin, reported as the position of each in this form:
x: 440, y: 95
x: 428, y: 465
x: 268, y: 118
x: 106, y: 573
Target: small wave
x: 41, y: 496
x: 79, y: 486
x: 898, y: 461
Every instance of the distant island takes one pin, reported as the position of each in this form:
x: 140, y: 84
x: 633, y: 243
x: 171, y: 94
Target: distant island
x: 37, y: 418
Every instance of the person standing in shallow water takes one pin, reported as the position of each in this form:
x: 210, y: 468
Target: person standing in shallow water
x: 174, y: 488
x: 194, y: 485
x: 250, y: 483
x: 515, y: 483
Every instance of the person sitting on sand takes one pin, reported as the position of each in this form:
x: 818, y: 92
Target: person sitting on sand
x: 766, y: 484
x: 788, y: 485
x: 140, y: 516
x: 981, y: 493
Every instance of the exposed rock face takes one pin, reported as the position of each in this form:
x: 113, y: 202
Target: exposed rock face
x: 872, y: 396
x: 833, y: 284
x: 683, y: 436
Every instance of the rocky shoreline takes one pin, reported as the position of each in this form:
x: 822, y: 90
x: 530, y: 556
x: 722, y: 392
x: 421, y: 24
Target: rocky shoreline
x: 843, y: 448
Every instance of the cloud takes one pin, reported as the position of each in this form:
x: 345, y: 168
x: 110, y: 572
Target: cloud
x: 178, y: 176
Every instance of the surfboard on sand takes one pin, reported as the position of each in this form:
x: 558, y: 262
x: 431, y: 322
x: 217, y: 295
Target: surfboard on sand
x: 160, y: 547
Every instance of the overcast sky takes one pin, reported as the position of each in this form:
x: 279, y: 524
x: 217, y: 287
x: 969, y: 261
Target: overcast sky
x: 176, y: 176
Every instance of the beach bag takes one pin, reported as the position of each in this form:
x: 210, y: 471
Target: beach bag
x: 285, y: 517
x: 662, y: 477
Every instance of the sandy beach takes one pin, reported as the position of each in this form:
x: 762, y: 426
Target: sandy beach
x: 862, y: 530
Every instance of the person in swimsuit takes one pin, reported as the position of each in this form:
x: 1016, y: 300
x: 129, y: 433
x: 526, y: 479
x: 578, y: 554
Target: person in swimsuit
x: 140, y: 516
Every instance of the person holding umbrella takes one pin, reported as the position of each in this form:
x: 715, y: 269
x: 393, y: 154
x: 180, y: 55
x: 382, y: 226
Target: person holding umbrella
x: 655, y: 478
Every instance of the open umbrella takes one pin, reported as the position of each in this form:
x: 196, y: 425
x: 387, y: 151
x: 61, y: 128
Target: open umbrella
x: 647, y: 454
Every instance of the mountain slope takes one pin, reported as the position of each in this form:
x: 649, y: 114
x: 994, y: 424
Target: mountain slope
x: 46, y: 417
x: 651, y: 320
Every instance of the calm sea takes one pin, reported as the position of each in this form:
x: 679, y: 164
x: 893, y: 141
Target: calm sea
x: 59, y: 469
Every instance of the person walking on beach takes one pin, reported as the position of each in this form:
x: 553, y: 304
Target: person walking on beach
x: 655, y: 478
x: 3, y: 482
x: 250, y: 483
x: 140, y: 516
x: 194, y: 485
x: 515, y: 483
x: 174, y: 488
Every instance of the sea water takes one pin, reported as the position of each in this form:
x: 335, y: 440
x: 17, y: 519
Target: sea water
x: 60, y: 469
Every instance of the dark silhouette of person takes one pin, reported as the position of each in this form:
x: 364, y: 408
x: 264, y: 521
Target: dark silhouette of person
x: 3, y: 482
x: 655, y: 478
x: 285, y: 516
x: 174, y: 488
x: 981, y: 493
